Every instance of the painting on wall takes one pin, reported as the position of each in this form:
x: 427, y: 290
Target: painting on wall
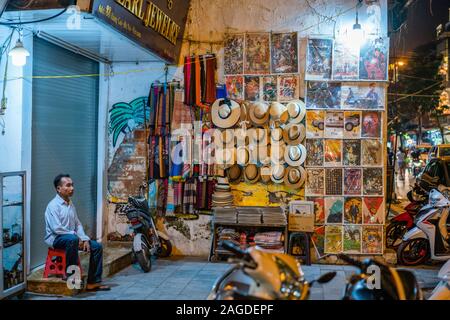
x: 333, y: 239
x: 363, y: 96
x: 373, y: 181
x: 315, y: 182
x: 288, y: 88
x: 372, y: 152
x: 315, y: 124
x: 319, y: 59
x: 257, y: 53
x: 334, y: 210
x: 352, y: 181
x: 323, y: 95
x: 269, y: 84
x: 352, y: 153
x: 333, y: 152
x: 284, y: 52
x: 373, y: 210
x: 235, y: 87
x: 345, y: 60
x: 372, y: 239
x: 371, y: 124
x: 319, y: 209
x: 334, y: 125
x: 333, y: 182
x: 234, y: 54
x: 352, y: 124
x: 353, y: 210
x: 374, y: 59
x: 352, y: 239
x: 252, y: 88
x: 314, y: 153
x: 318, y: 240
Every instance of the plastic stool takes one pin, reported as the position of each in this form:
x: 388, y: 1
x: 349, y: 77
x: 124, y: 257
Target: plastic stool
x: 56, y: 263
x: 300, y: 240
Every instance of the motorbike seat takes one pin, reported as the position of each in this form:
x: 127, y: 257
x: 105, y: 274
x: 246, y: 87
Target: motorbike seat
x: 410, y: 284
x: 140, y: 203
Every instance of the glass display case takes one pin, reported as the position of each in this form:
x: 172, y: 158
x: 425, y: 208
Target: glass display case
x: 12, y: 226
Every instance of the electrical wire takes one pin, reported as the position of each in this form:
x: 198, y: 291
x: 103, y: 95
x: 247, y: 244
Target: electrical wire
x: 35, y: 21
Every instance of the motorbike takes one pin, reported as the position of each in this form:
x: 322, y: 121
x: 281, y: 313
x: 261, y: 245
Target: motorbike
x: 394, y: 284
x: 417, y: 166
x: 148, y: 241
x: 260, y: 275
x: 442, y: 290
x: 429, y: 238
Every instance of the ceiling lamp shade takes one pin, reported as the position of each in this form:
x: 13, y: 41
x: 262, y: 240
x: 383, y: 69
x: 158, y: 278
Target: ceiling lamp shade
x: 19, y: 54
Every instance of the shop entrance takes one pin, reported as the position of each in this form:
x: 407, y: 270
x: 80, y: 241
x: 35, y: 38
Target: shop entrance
x: 64, y: 129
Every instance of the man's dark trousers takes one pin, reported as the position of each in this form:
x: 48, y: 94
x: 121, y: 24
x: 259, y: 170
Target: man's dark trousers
x: 70, y: 243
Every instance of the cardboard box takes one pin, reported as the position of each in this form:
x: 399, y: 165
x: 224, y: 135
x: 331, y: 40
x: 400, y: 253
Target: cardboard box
x: 301, y: 222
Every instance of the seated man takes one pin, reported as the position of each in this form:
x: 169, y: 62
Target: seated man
x: 64, y: 231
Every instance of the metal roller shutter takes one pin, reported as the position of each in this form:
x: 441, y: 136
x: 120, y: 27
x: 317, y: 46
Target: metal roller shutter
x: 64, y: 129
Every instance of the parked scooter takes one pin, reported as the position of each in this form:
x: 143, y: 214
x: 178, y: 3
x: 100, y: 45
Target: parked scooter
x: 259, y: 275
x: 394, y: 284
x: 442, y: 290
x: 430, y: 238
x: 417, y: 167
x: 148, y: 241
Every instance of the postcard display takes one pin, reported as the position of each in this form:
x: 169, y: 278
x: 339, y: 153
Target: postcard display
x: 345, y: 125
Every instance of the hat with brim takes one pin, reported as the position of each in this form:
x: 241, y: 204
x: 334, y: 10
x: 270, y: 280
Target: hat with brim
x: 259, y: 113
x: 226, y: 138
x: 295, y: 155
x: 278, y: 173
x: 258, y: 136
x: 234, y: 174
x: 279, y: 112
x: 242, y: 156
x: 276, y: 135
x: 264, y: 154
x: 244, y: 113
x: 266, y: 173
x: 296, y: 110
x: 225, y: 157
x: 225, y: 113
x: 242, y: 138
x: 294, y: 134
x: 295, y: 177
x: 251, y: 173
x: 277, y: 152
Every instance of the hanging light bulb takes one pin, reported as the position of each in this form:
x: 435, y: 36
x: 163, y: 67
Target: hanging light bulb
x: 19, y: 54
x: 357, y: 32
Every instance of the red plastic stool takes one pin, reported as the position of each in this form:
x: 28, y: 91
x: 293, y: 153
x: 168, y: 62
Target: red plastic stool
x: 56, y: 263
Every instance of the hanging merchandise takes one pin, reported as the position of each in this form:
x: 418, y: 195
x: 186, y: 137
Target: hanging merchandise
x: 200, y: 80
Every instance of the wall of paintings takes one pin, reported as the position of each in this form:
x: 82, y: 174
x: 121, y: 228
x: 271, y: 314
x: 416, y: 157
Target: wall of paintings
x: 346, y: 100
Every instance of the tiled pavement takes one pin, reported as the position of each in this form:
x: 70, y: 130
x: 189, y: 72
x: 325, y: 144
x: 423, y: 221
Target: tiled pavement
x: 192, y: 279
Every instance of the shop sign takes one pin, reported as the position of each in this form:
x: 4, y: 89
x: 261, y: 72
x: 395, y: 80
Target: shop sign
x: 157, y: 25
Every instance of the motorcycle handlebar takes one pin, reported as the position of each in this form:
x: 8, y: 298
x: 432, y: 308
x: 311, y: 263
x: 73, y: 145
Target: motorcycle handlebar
x: 234, y: 248
x: 351, y: 261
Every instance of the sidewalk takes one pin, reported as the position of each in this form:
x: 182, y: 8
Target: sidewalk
x: 192, y: 279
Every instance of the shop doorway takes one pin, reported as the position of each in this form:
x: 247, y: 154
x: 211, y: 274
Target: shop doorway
x: 64, y: 137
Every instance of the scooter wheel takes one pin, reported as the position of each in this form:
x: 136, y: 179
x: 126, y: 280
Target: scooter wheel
x: 413, y: 252
x: 144, y: 258
x: 394, y: 234
x: 166, y: 248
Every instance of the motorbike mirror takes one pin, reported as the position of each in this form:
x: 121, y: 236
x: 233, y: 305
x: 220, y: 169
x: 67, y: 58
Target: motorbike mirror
x: 327, y: 277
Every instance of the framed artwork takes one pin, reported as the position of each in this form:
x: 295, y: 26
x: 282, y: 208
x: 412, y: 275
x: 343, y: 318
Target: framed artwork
x: 252, y: 88
x: 363, y: 96
x: 234, y: 54
x: 334, y: 210
x: 352, y: 181
x: 318, y: 240
x: 373, y: 210
x: 353, y: 210
x: 284, y: 52
x: 319, y: 209
x: 333, y: 182
x: 352, y: 239
x: 374, y: 59
x: 315, y: 182
x: 323, y: 95
x: 371, y: 124
x: 257, y: 53
x: 235, y: 87
x: 301, y: 207
x: 372, y: 239
x: 352, y: 124
x: 333, y: 239
x: 288, y: 88
x: 352, y: 153
x: 269, y: 84
x: 314, y: 153
x: 334, y: 124
x: 372, y: 152
x: 345, y: 60
x: 319, y: 59
x: 333, y: 153
x: 315, y: 124
x: 373, y: 181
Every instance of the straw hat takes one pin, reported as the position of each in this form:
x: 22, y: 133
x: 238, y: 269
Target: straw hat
x: 242, y: 156
x: 225, y: 157
x: 266, y: 173
x: 277, y: 152
x: 278, y: 173
x: 264, y: 154
x: 258, y: 136
x: 244, y: 113
x: 295, y: 177
x: 259, y: 113
x: 295, y: 155
x: 225, y: 113
x: 251, y: 173
x: 226, y: 138
x: 276, y: 135
x: 279, y: 112
x: 297, y: 111
x: 294, y: 134
x: 234, y: 174
x: 241, y: 137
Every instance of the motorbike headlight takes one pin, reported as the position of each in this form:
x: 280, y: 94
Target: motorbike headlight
x: 291, y: 286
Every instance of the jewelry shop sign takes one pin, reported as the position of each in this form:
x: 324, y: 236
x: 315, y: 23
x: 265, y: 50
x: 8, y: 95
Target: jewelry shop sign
x: 157, y: 25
